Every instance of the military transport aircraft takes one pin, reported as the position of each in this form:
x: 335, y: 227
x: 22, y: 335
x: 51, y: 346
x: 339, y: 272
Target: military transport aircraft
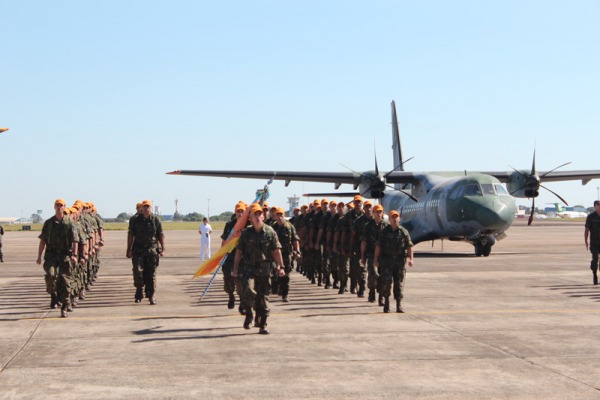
x: 461, y: 206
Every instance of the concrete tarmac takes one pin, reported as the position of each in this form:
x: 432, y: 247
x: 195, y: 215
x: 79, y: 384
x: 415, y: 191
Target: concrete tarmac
x: 523, y: 323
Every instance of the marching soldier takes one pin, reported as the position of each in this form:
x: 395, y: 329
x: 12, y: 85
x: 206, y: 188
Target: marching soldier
x: 229, y: 282
x: 257, y: 248
x: 368, y: 238
x: 57, y: 244
x: 143, y: 240
x: 290, y: 248
x: 392, y: 250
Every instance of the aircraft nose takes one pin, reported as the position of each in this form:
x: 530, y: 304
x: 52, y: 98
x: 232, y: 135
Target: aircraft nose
x: 495, y: 212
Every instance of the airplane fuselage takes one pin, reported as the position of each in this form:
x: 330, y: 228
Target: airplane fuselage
x: 474, y: 208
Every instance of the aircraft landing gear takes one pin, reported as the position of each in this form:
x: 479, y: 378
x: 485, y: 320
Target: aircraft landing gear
x: 483, y: 246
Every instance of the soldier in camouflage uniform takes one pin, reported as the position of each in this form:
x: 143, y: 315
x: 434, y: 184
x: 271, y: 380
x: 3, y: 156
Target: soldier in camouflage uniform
x: 392, y: 250
x: 290, y: 248
x: 257, y: 247
x: 322, y: 241
x: 339, y: 248
x: 331, y: 224
x: 229, y: 282
x: 1, y: 234
x: 145, y: 235
x: 57, y: 239
x: 356, y: 244
x: 368, y: 238
x: 353, y: 247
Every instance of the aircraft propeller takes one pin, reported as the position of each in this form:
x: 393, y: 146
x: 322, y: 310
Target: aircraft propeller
x: 378, y: 182
x: 532, y: 184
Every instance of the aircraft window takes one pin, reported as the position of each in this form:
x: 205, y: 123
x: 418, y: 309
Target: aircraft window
x: 472, y: 189
x: 500, y: 189
x: 488, y: 188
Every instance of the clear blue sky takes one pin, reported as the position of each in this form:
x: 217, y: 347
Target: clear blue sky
x: 104, y: 97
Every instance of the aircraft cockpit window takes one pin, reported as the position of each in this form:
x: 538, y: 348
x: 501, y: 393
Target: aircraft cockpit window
x: 488, y: 188
x: 500, y: 189
x: 472, y: 189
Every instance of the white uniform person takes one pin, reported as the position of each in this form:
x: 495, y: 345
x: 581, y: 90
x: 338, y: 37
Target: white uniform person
x: 205, y: 231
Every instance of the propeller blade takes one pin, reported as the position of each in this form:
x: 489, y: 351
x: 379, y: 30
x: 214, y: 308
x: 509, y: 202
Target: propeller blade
x: 556, y: 194
x: 533, y: 164
x: 532, y: 211
x: 552, y: 170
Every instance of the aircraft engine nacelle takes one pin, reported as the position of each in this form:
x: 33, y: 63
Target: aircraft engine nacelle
x: 523, y: 184
x: 370, y: 184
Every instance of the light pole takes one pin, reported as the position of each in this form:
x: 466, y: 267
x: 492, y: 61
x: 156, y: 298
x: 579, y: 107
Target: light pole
x: 208, y: 209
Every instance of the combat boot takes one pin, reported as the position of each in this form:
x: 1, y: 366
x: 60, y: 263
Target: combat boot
x: 372, y: 296
x: 320, y: 279
x: 241, y: 310
x: 53, y: 301
x: 335, y: 284
x: 327, y: 283
x: 361, y: 290
x: 248, y: 319
x: 595, y: 278
x: 139, y: 295
x: 231, y: 302
x: 353, y: 287
x: 63, y: 313
x: 1, y: 257
x: 399, y: 308
x: 386, y: 305
x: 380, y: 301
x: 263, y: 326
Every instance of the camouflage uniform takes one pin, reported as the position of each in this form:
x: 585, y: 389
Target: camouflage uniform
x: 1, y: 234
x: 342, y: 260
x: 325, y: 250
x: 352, y: 250
x: 394, y: 245
x: 360, y: 271
x: 592, y: 223
x: 370, y: 234
x: 286, y: 234
x: 256, y: 249
x: 146, y: 233
x: 333, y: 257
x: 58, y: 235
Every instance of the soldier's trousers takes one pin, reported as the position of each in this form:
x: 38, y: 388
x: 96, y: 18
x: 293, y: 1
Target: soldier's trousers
x: 58, y: 279
x: 343, y: 269
x: 228, y: 280
x: 373, y: 279
x: 144, y: 272
x: 256, y: 291
x: 594, y: 264
x: 284, y: 281
x: 358, y: 273
x: 392, y: 271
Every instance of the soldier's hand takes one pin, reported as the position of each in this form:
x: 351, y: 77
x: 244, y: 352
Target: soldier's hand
x: 38, y: 261
x: 280, y: 272
x: 363, y: 262
x: 128, y: 254
x: 411, y: 263
x: 234, y: 273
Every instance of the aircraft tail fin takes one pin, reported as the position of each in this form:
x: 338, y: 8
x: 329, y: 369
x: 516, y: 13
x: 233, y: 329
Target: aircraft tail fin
x: 396, y: 146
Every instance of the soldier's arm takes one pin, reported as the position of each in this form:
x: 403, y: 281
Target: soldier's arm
x: 411, y: 259
x: 586, y: 234
x: 376, y: 255
x: 236, y: 262
x: 363, y: 251
x: 276, y: 253
x: 130, y: 239
x: 161, y: 240
x: 41, y: 248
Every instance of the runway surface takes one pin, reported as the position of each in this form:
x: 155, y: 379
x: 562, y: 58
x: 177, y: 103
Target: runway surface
x: 523, y: 323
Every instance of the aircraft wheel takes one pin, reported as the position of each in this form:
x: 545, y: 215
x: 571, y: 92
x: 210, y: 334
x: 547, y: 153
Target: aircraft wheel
x: 486, y: 249
x: 478, y: 249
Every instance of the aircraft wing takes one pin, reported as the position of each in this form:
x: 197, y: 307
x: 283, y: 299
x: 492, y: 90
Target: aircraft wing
x: 287, y: 176
x: 555, y: 176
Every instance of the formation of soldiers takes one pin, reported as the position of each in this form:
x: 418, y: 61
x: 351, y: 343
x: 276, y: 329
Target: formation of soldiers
x: 70, y: 243
x: 348, y: 247
x: 352, y: 243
